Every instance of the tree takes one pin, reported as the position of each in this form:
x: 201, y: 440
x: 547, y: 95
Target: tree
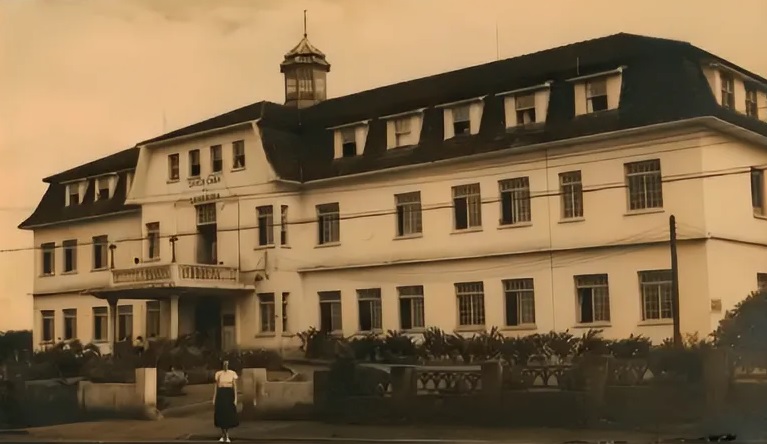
x: 744, y: 327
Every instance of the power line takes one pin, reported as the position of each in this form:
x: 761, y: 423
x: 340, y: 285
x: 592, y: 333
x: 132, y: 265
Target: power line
x: 441, y: 206
x: 508, y: 163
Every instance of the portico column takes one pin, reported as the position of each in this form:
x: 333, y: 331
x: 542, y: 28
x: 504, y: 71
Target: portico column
x: 173, y: 333
x: 113, y: 331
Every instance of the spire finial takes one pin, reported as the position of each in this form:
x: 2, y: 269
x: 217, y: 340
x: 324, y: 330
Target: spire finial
x: 304, y: 23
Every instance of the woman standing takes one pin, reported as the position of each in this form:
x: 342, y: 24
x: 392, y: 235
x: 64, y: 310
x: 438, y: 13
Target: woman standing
x: 225, y: 401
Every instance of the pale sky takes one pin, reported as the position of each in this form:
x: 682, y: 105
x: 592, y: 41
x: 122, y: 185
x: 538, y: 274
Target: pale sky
x: 83, y: 79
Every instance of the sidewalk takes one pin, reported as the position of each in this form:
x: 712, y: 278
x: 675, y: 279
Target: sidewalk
x: 200, y: 428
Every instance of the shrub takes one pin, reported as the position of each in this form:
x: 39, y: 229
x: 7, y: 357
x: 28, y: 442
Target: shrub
x: 316, y: 344
x: 745, y: 326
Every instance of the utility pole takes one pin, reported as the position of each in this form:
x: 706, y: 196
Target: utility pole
x: 674, y: 281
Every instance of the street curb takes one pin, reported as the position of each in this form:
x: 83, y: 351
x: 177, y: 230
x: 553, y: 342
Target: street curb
x: 14, y: 432
x: 337, y: 439
x: 187, y: 410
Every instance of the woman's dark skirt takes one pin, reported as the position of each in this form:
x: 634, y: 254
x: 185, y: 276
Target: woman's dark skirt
x: 225, y: 413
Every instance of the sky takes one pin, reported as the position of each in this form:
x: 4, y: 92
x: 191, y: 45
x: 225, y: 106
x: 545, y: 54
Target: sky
x: 83, y: 79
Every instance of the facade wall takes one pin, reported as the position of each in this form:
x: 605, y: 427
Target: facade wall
x: 549, y: 249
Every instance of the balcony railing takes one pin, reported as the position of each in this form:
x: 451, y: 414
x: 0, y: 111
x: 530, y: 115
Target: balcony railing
x: 176, y: 274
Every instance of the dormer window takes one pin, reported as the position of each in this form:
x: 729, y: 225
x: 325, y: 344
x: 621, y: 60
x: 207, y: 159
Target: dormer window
x: 461, y: 120
x: 73, y: 194
x: 348, y: 142
x: 524, y: 105
x: 102, y: 188
x: 402, y: 130
x: 752, y: 107
x: 598, y: 92
x: 596, y: 95
x: 728, y: 90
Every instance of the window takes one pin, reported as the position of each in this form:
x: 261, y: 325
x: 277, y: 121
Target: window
x: 328, y: 220
x: 238, y: 155
x: 266, y: 312
x: 206, y: 214
x: 305, y: 88
x: 467, y: 206
x: 330, y: 311
x: 571, y: 189
x: 411, y: 307
x: 757, y: 190
x: 285, y: 297
x: 402, y: 129
x: 728, y: 91
x: 49, y: 258
x: 761, y: 281
x: 100, y: 323
x: 153, y: 240
x: 102, y: 188
x: 593, y: 298
x: 173, y: 167
x: 265, y: 225
x: 369, y: 304
x: 73, y: 191
x: 408, y: 213
x: 348, y: 142
x: 70, y: 256
x: 284, y: 225
x: 48, y: 325
x: 596, y: 95
x: 100, y: 247
x: 519, y: 296
x: 194, y: 163
x: 124, y: 322
x: 657, y: 302
x: 461, y: 120
x: 644, y: 185
x: 471, y: 304
x: 752, y: 109
x: 216, y: 159
x: 152, y: 319
x: 70, y: 324
x: 515, y: 201
x: 525, y: 108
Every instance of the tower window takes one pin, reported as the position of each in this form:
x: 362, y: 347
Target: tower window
x: 305, y: 87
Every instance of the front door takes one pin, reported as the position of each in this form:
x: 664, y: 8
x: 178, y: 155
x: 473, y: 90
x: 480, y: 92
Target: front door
x: 208, y: 321
x: 228, y: 335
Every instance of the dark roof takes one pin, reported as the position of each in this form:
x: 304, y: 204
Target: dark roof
x: 51, y: 208
x: 663, y: 82
x: 122, y: 160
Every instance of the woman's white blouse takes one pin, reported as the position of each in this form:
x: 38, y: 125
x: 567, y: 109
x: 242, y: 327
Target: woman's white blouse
x: 225, y: 378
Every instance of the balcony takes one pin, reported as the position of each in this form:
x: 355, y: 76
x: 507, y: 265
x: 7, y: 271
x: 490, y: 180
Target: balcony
x: 181, y: 276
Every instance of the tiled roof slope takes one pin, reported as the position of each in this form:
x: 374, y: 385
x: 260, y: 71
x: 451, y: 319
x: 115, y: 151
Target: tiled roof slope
x: 51, y: 209
x: 663, y: 82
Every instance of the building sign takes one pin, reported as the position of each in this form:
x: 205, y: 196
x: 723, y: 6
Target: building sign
x: 211, y: 179
x: 207, y: 197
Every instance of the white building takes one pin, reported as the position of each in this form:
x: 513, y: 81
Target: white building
x: 532, y: 194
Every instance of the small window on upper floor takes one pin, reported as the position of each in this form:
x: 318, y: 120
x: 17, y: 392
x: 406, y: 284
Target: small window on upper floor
x: 238, y: 155
x: 103, y: 188
x: 757, y: 191
x: 194, y: 163
x: 524, y: 105
x: 596, y: 95
x: 402, y: 131
x: 73, y: 194
x: 216, y: 159
x: 728, y: 90
x: 173, y: 167
x: 752, y: 106
x: 348, y: 142
x: 461, y: 120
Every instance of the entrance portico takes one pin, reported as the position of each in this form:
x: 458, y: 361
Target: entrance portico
x: 198, y: 298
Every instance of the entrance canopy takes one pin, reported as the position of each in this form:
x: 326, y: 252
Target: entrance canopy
x: 165, y: 292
